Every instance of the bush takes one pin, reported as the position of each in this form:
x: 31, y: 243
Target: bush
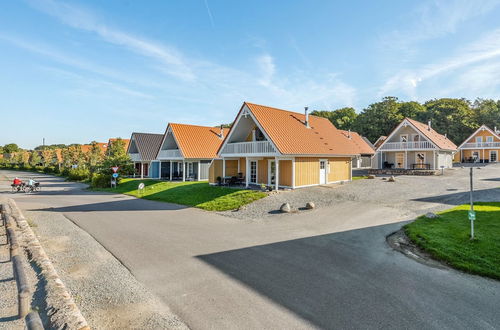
x: 40, y: 169
x: 78, y: 174
x: 49, y: 169
x: 65, y: 172
x: 100, y: 180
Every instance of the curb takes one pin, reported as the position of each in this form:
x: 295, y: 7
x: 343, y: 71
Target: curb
x: 61, y: 308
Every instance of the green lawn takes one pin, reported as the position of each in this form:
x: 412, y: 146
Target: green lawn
x: 359, y: 177
x: 448, y: 238
x: 197, y: 194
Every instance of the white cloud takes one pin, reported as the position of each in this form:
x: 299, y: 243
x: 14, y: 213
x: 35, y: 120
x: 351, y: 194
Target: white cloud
x: 486, y: 48
x: 82, y: 19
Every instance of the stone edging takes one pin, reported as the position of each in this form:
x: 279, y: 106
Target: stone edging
x: 61, y: 308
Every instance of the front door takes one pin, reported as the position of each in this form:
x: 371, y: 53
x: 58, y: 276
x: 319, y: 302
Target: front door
x: 420, y: 160
x: 271, y: 178
x: 322, y: 172
x: 400, y: 160
x: 493, y: 156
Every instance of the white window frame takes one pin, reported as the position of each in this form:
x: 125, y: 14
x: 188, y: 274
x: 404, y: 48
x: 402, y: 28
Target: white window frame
x: 479, y: 139
x: 489, y: 139
x: 269, y: 165
x: 256, y: 171
x: 401, y: 137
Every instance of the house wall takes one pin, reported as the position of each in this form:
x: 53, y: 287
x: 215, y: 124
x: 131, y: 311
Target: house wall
x: 467, y: 153
x: 306, y: 171
x: 406, y: 130
x: 215, y: 170
x: 483, y: 134
x: 340, y: 169
x: 231, y: 167
x: 285, y: 173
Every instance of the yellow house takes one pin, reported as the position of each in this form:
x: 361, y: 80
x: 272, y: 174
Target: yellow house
x: 279, y: 148
x: 483, y: 146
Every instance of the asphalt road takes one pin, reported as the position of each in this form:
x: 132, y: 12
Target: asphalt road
x: 327, y: 268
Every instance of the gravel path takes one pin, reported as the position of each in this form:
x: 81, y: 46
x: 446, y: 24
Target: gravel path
x: 404, y: 194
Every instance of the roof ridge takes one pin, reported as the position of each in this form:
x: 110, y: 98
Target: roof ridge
x: 194, y: 125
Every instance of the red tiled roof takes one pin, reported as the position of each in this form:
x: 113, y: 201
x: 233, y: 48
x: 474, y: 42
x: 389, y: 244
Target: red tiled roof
x: 363, y: 146
x: 439, y: 140
x: 198, y: 141
x: 289, y: 133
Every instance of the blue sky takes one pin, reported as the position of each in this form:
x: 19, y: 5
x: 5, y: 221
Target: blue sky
x: 77, y: 71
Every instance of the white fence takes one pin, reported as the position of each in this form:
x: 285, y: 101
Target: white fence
x: 256, y: 147
x: 481, y: 145
x: 417, y: 145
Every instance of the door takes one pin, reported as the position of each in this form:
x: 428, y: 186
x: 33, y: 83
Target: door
x: 475, y: 156
x: 253, y: 171
x: 400, y: 160
x: 420, y: 160
x: 271, y: 178
x: 322, y: 172
x: 493, y: 156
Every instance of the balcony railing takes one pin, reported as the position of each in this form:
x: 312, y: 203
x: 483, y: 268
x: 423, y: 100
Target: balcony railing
x: 169, y: 153
x: 481, y: 145
x: 414, y: 145
x: 255, y: 147
x: 135, y: 157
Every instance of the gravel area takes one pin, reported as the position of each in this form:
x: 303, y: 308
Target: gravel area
x: 414, y: 194
x: 107, y: 294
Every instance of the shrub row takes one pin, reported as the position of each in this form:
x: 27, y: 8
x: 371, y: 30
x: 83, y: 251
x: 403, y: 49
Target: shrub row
x: 96, y: 180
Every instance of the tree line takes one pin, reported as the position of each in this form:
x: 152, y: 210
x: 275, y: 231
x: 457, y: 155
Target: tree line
x: 457, y: 118
x: 88, y: 163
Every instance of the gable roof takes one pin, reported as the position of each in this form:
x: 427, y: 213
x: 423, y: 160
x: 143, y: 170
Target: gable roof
x: 441, y: 141
x: 379, y: 141
x: 290, y: 135
x: 87, y: 147
x: 364, y: 147
x: 197, y: 141
x: 482, y: 128
x: 147, y: 144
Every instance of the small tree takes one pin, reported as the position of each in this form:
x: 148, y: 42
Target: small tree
x: 35, y: 158
x: 117, y: 156
x: 25, y: 157
x: 47, y: 157
x: 11, y: 148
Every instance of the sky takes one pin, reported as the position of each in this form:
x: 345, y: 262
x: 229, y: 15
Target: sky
x: 79, y: 71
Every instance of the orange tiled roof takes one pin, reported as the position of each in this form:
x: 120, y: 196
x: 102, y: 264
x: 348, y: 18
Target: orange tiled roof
x: 363, y: 146
x: 290, y: 135
x: 86, y: 147
x: 439, y: 140
x: 198, y: 141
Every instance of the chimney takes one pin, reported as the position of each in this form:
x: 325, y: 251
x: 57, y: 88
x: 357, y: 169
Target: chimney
x: 445, y: 135
x: 221, y: 135
x: 496, y: 131
x: 429, y: 125
x: 349, y: 134
x: 306, y: 112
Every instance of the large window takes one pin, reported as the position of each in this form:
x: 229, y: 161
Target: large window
x: 253, y: 171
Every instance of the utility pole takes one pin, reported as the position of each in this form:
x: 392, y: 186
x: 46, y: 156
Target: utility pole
x: 43, y: 143
x: 472, y: 214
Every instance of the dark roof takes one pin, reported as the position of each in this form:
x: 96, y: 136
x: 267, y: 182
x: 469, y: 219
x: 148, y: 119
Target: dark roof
x: 148, y: 144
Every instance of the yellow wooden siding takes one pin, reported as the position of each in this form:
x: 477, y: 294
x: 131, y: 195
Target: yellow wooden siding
x: 243, y: 165
x: 262, y: 169
x: 469, y: 152
x: 340, y: 169
x: 231, y: 167
x: 214, y: 171
x: 285, y: 173
x: 306, y: 171
x: 484, y: 134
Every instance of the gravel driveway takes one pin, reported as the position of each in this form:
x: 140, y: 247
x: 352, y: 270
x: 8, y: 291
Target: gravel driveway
x: 412, y: 194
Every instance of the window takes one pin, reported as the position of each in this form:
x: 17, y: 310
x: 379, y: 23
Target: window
x: 493, y: 156
x: 259, y: 136
x: 253, y: 171
x: 404, y: 137
x: 479, y: 139
x: 416, y: 138
x: 420, y: 159
x: 489, y: 139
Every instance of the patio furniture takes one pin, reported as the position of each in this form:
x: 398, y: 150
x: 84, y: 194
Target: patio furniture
x: 240, y: 179
x: 421, y: 166
x: 388, y: 165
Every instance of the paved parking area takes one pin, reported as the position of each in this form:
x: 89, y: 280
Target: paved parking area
x: 326, y: 268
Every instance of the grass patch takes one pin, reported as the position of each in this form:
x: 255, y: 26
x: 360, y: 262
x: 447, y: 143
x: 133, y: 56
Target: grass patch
x: 359, y: 177
x: 197, y: 194
x: 447, y: 238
